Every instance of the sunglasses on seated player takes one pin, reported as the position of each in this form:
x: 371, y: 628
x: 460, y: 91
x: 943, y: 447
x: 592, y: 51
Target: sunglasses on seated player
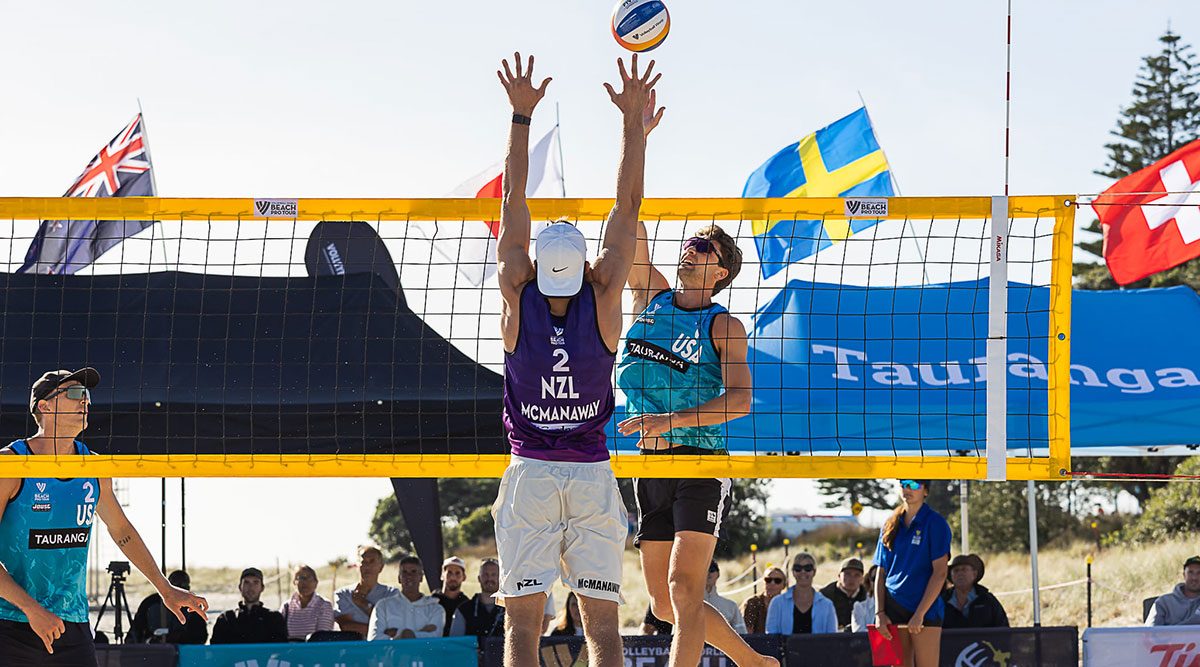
x: 807, y: 567
x: 774, y: 580
x: 911, y: 484
x: 701, y: 244
x: 75, y: 392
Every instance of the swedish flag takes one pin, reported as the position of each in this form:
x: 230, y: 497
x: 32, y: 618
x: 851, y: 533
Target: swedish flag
x: 841, y: 160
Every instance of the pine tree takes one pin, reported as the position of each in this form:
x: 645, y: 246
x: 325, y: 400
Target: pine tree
x: 1163, y: 117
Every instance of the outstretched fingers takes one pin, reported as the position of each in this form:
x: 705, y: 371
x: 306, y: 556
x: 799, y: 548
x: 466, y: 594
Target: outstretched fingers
x: 649, y: 71
x: 517, y: 63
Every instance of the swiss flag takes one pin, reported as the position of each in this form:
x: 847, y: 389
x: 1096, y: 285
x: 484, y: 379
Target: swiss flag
x: 471, y: 244
x: 1151, y: 218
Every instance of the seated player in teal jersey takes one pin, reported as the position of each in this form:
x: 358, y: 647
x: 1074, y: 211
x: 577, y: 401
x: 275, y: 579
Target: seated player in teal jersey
x: 45, y: 528
x: 684, y: 374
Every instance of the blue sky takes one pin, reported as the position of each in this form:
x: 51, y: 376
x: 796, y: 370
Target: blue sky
x: 399, y: 99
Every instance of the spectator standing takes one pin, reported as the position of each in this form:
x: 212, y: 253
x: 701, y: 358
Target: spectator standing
x: 968, y: 604
x: 912, y: 554
x: 155, y: 624
x: 802, y: 609
x: 409, y: 615
x: 727, y: 607
x: 570, y: 623
x: 1182, y: 605
x: 480, y: 616
x: 454, y: 573
x: 251, y: 622
x: 353, y: 604
x: 306, y: 612
x: 846, y: 591
x: 864, y: 612
x: 754, y: 609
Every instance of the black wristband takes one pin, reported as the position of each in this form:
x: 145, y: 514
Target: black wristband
x: 521, y: 120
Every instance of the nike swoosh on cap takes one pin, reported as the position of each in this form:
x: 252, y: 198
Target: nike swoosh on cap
x: 554, y: 270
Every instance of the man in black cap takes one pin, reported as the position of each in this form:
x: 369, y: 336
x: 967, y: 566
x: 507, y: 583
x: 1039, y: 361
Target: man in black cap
x: 153, y: 624
x: 251, y: 622
x: 846, y: 591
x: 1182, y: 605
x: 45, y: 528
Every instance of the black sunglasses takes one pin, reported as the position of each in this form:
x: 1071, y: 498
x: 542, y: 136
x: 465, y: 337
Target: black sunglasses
x: 773, y: 580
x: 805, y: 568
x: 75, y: 392
x: 701, y: 244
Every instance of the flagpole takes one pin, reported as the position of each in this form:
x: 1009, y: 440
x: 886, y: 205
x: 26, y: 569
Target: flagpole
x: 562, y: 170
x: 895, y: 184
x: 153, y: 180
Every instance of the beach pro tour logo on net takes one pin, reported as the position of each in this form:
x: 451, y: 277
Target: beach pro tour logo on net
x: 276, y: 208
x: 867, y: 208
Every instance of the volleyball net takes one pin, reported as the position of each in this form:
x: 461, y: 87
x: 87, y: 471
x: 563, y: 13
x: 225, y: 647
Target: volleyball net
x: 928, y: 337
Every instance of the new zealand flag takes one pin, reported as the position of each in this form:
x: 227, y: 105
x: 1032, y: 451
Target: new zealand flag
x: 121, y: 169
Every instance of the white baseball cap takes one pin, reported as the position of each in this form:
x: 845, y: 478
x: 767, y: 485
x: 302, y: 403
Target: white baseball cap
x: 456, y: 561
x: 560, y: 251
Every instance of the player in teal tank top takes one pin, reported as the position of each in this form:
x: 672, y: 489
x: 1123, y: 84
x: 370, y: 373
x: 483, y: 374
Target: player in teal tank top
x: 684, y: 375
x: 45, y: 529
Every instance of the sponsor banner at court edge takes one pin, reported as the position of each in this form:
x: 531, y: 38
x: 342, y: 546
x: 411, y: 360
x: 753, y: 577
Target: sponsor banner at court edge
x: 1177, y: 646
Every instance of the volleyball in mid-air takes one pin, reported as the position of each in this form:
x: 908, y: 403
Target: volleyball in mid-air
x: 640, y: 25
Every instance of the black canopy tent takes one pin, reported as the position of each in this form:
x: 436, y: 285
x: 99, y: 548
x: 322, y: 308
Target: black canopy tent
x: 205, y: 364
x: 236, y: 365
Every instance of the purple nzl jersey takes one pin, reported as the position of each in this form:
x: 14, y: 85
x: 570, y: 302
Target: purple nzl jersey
x: 558, y: 393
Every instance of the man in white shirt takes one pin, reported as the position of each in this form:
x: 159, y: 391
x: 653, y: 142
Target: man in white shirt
x: 410, y: 614
x: 727, y: 607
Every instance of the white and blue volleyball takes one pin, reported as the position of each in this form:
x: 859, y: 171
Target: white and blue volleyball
x: 640, y: 25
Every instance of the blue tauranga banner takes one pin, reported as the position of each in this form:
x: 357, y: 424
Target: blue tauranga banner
x: 872, y: 370
x: 440, y: 652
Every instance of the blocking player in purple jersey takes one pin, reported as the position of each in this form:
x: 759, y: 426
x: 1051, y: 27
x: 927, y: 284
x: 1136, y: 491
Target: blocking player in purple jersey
x: 559, y: 514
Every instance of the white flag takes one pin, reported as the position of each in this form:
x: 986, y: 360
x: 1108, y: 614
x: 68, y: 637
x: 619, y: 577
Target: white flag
x: 471, y: 244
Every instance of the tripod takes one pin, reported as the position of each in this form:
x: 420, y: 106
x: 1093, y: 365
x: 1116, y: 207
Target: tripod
x: 116, y: 595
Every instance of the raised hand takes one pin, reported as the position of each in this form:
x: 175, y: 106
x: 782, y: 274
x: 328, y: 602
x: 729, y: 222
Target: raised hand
x: 521, y: 92
x: 650, y: 117
x: 635, y: 88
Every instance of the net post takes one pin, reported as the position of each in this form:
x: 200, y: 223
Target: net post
x: 997, y: 344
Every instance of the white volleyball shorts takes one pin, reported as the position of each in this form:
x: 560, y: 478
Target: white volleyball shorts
x: 560, y: 520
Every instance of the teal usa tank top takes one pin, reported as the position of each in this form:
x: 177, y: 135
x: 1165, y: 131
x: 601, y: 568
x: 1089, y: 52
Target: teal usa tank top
x: 669, y: 363
x: 44, y: 536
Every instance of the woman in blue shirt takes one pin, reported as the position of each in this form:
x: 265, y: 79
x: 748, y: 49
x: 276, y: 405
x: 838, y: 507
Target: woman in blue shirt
x: 801, y: 609
x: 912, y: 555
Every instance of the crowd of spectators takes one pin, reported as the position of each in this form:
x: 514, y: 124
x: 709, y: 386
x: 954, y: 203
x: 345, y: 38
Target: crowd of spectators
x: 371, y: 610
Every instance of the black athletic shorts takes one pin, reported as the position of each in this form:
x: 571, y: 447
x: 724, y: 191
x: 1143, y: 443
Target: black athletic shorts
x: 901, y: 616
x: 21, y: 647
x: 668, y: 506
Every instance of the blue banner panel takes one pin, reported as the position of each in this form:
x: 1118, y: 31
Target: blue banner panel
x: 877, y: 370
x: 440, y: 652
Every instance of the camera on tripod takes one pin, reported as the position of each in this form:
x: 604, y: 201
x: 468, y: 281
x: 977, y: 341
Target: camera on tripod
x: 119, y: 569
